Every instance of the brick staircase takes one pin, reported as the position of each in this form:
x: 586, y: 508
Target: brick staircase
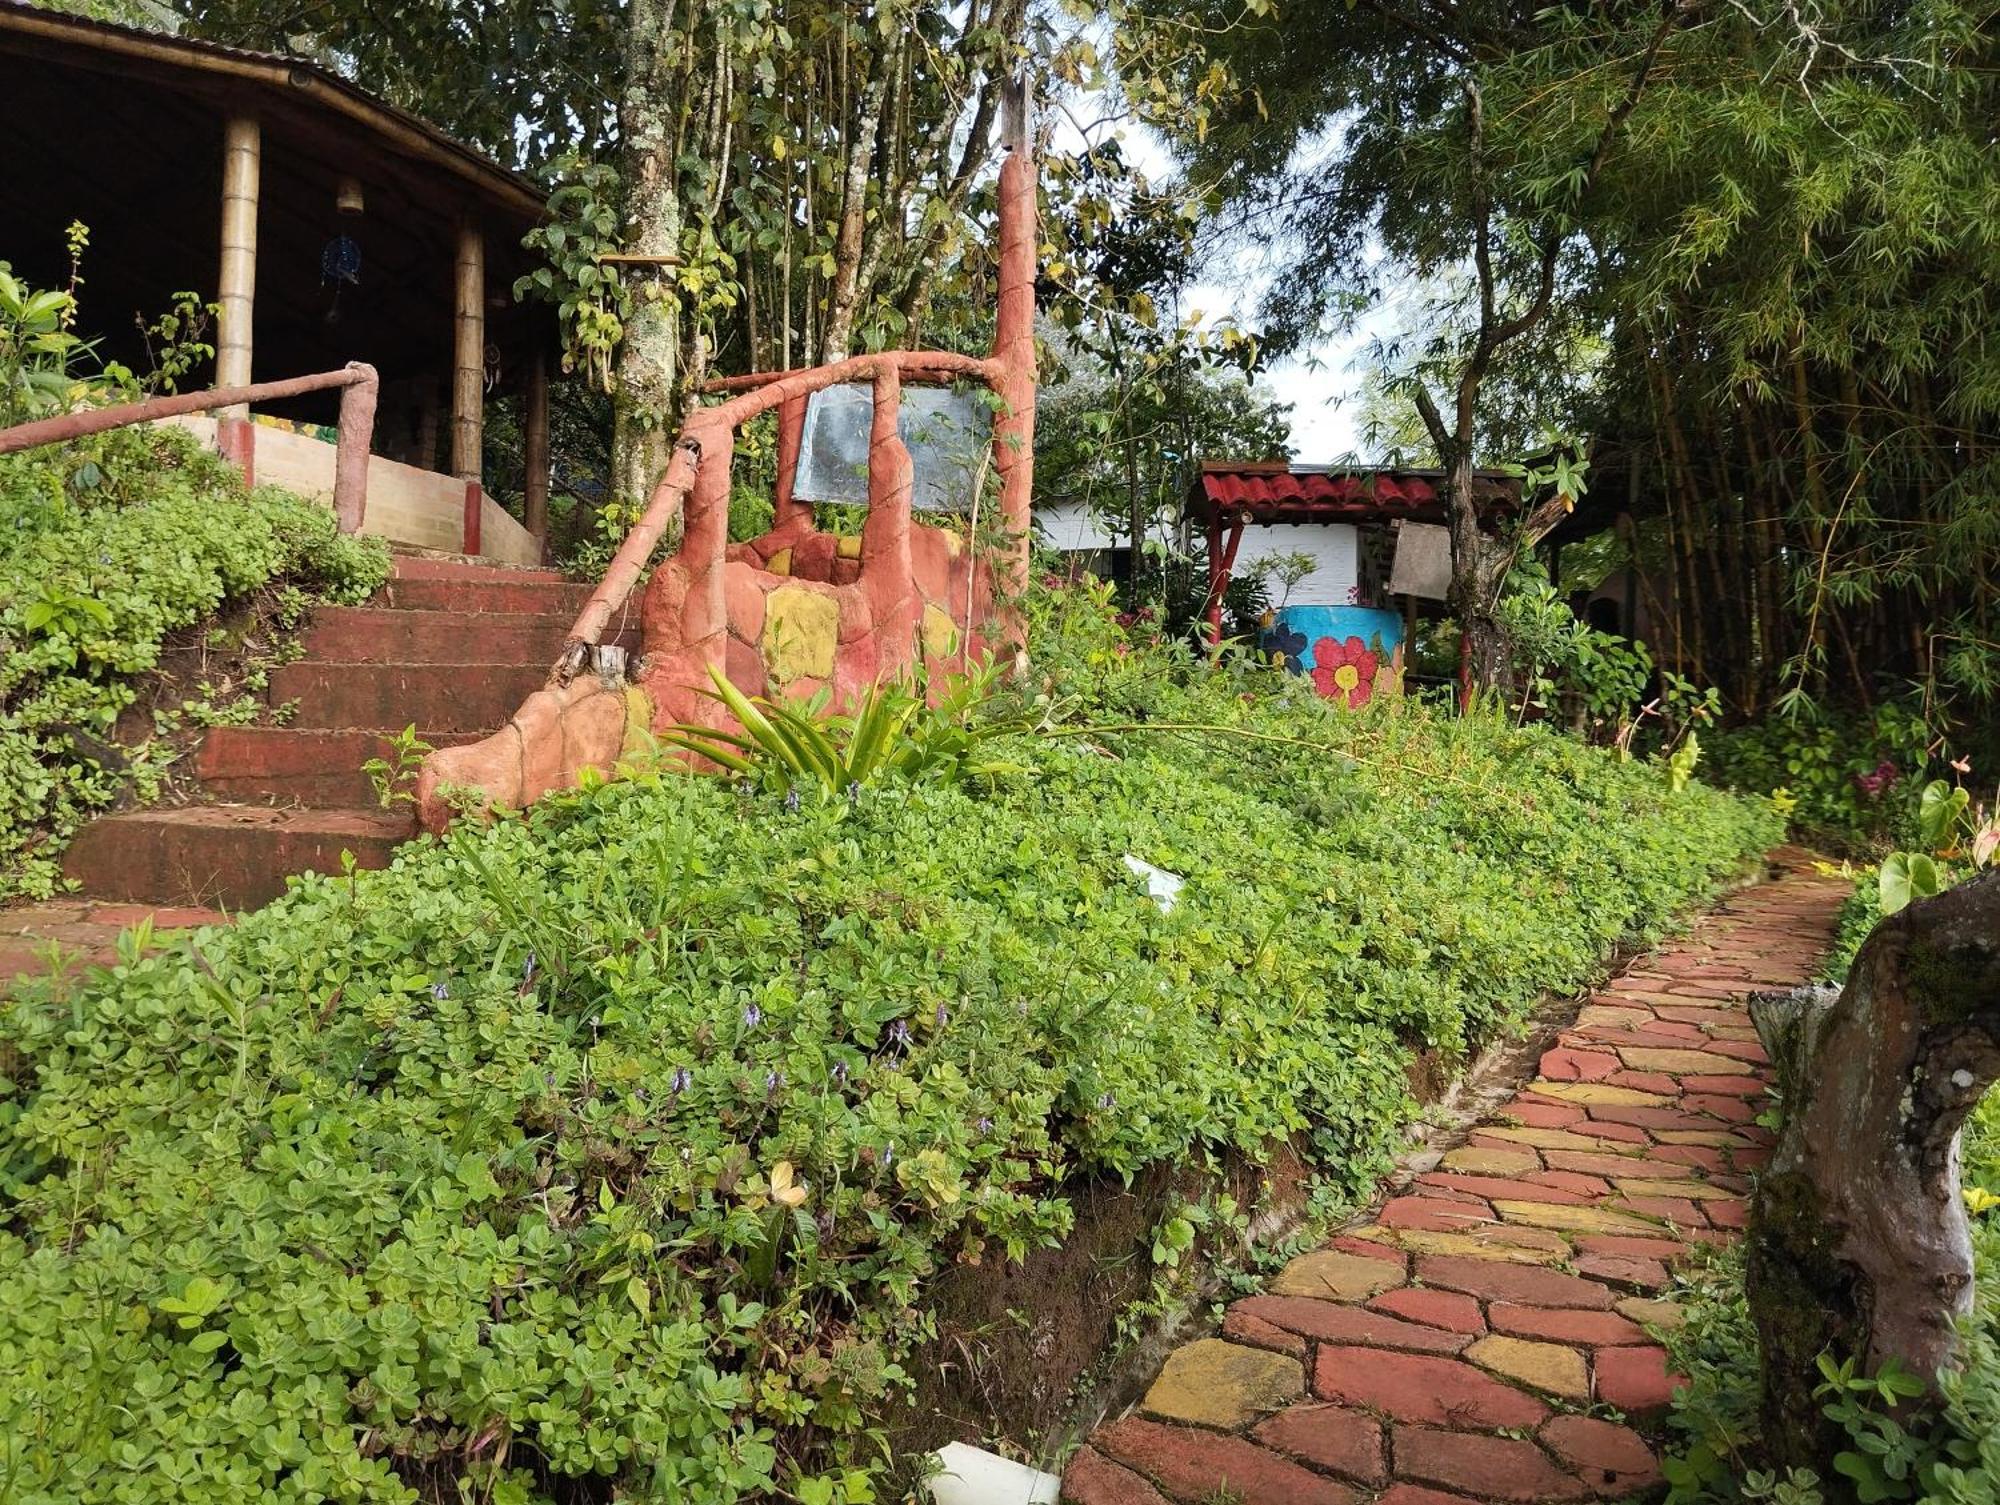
x: 449, y: 647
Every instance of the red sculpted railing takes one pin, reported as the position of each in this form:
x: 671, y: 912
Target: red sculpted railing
x: 350, y: 463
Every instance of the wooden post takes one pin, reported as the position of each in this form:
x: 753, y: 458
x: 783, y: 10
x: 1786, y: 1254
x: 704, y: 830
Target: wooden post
x: 535, y: 449
x: 468, y: 375
x: 236, y: 282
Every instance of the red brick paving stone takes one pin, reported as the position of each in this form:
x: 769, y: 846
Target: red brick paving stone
x: 1635, y: 1379
x: 1446, y: 1309
x: 1734, y: 1110
x: 1750, y: 1158
x: 1742, y: 1050
x: 1679, y: 1211
x: 1527, y: 1285
x: 1497, y: 1186
x: 1700, y: 1156
x: 1611, y: 1459
x: 1593, y: 1186
x: 1590, y: 1329
x: 1604, y: 1164
x: 1725, y: 1086
x: 1418, y: 1387
x: 1499, y: 1468
x: 1648, y: 1274
x: 1193, y: 1465
x: 1543, y: 1115
x: 1369, y: 1249
x: 1729, y: 1214
x: 1646, y: 1081
x: 1093, y: 1479
x: 1638, y: 1248
x: 1432, y: 1215
x: 1246, y: 1328
x: 1566, y: 1065
x: 1344, y: 1442
x: 1336, y: 1322
x: 1416, y: 1494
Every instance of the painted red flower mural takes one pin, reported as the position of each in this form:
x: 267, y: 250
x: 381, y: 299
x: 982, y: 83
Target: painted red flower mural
x: 1344, y: 671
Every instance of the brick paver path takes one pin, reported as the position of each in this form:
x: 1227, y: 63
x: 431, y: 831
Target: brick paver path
x: 1491, y: 1333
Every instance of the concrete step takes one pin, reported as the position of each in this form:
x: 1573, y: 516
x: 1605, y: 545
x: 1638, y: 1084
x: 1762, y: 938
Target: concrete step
x: 435, y: 567
x: 79, y: 931
x: 384, y: 635
x: 552, y: 598
x: 223, y: 856
x: 447, y: 697
x: 315, y: 766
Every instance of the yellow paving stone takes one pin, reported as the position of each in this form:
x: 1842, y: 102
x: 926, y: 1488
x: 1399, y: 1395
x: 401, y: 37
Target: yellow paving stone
x: 1647, y: 1311
x: 1337, y: 1276
x: 1471, y: 1160
x: 1611, y: 1017
x: 1693, y: 1191
x: 1681, y: 1062
x: 1709, y: 1137
x: 1576, y: 1219
x: 1219, y: 1384
x: 1560, y: 1139
x: 1553, y: 1367
x: 1486, y: 1244
x: 1600, y: 1093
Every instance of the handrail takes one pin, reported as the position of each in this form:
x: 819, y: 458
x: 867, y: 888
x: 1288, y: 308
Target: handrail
x: 357, y: 379
x: 1009, y: 371
x: 671, y: 494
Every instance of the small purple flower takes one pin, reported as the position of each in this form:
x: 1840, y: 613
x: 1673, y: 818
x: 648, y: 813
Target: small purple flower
x: 889, y: 1154
x: 440, y: 991
x: 853, y: 792
x: 528, y: 970
x: 752, y: 1016
x: 943, y: 1016
x: 681, y: 1080
x: 985, y: 1125
x: 791, y: 802
x: 1107, y: 1102
x: 840, y: 1073
x: 899, y: 1033
x: 773, y: 1080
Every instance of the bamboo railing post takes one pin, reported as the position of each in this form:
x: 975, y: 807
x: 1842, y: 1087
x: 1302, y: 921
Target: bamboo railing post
x: 468, y: 375
x: 236, y: 283
x: 350, y: 456
x: 535, y: 449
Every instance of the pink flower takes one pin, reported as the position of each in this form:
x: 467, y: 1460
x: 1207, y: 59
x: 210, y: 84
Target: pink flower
x: 1344, y: 671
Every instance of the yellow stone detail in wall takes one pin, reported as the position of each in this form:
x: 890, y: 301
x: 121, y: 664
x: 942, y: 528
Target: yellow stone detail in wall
x: 779, y: 563
x: 801, y: 630
x: 940, y: 633
x: 847, y: 545
x: 637, y: 746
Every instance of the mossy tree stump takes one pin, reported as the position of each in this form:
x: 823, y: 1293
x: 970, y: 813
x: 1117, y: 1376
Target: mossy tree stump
x: 1858, y: 1239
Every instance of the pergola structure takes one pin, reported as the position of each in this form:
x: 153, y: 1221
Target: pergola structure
x: 327, y: 225
x: 1229, y: 496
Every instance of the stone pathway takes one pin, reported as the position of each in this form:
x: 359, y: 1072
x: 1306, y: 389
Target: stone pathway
x: 1491, y: 1335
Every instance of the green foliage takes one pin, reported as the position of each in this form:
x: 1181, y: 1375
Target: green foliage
x: 890, y: 733
x: 1851, y: 779
x: 616, y: 1147
x: 108, y: 545
x: 394, y: 778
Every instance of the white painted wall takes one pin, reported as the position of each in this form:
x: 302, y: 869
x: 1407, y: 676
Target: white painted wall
x: 1068, y: 527
x: 1335, y: 549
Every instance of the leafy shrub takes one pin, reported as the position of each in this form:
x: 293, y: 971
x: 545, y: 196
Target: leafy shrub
x: 107, y: 545
x: 611, y: 1150
x: 1852, y: 781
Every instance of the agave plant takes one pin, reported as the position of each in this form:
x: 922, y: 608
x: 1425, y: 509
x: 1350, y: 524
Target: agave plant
x: 891, y: 731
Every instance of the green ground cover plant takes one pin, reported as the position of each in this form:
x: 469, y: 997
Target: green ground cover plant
x: 108, y: 546
x: 609, y: 1152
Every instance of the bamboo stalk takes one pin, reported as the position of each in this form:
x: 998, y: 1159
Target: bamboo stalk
x: 468, y: 377
x: 236, y: 278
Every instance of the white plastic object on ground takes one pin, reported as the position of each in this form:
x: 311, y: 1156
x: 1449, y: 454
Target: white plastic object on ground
x: 1165, y: 887
x: 972, y: 1476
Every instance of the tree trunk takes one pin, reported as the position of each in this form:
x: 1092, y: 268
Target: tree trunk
x: 643, y: 405
x: 1858, y: 1241
x: 1479, y: 567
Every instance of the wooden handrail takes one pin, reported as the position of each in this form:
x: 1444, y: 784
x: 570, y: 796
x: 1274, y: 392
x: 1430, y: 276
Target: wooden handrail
x: 359, y: 385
